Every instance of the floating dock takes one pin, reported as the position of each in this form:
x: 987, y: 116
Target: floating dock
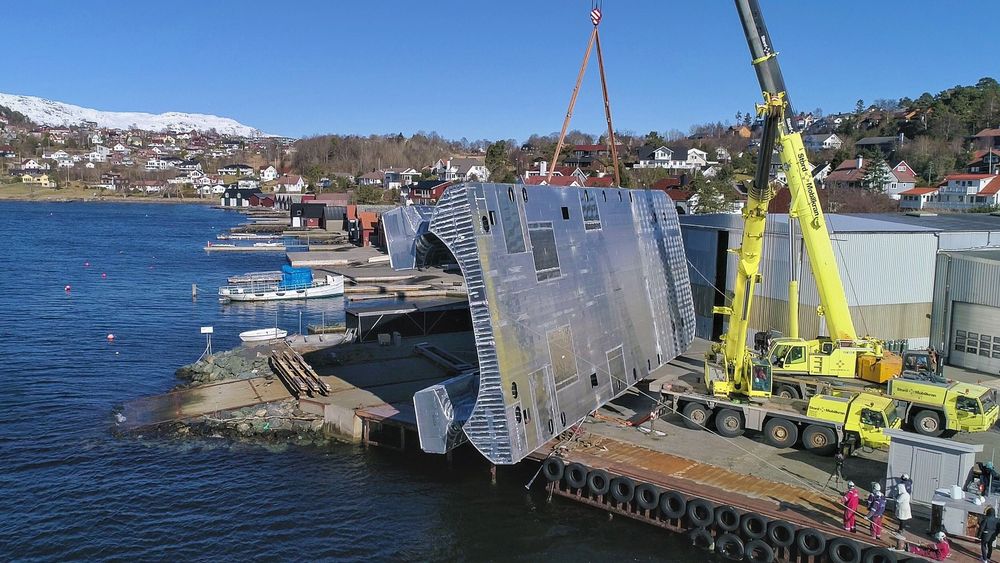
x: 223, y: 248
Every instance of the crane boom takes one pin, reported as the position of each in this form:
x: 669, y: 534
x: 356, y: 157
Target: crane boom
x: 731, y: 367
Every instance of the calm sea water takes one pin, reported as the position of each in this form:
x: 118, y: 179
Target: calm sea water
x: 70, y: 490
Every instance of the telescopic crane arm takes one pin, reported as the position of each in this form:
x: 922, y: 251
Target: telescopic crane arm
x: 731, y: 366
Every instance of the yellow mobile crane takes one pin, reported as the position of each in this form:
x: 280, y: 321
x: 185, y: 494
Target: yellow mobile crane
x: 931, y: 407
x: 731, y: 367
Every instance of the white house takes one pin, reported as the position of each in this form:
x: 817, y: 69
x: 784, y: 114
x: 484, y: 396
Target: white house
x: 917, y: 198
x: 32, y: 164
x: 965, y: 191
x: 671, y: 159
x: 247, y: 184
x: 395, y: 178
x: 120, y: 148
x: 822, y: 142
x: 462, y: 169
x: 65, y: 163
x: 268, y: 173
x: 236, y: 170
x: 290, y: 183
x: 156, y: 163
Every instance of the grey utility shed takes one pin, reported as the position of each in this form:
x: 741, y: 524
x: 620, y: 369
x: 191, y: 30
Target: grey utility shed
x: 932, y: 463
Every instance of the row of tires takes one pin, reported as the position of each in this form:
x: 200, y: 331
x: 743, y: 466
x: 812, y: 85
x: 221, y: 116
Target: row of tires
x: 738, y: 536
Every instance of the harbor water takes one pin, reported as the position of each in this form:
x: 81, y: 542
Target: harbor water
x: 71, y: 489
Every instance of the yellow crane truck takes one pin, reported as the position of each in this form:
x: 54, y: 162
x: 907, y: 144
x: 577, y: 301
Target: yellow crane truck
x: 798, y: 367
x: 824, y: 422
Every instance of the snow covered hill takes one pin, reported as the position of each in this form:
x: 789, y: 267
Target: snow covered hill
x: 48, y: 112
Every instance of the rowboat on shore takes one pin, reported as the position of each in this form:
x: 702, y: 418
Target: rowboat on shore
x: 263, y: 334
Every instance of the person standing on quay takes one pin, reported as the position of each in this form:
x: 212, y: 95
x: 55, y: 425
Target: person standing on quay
x: 876, y: 510
x: 850, y: 501
x: 903, y: 513
x: 989, y: 526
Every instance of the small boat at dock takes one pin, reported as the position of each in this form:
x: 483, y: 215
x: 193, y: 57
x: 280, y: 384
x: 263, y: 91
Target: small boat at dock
x: 247, y: 236
x: 263, y: 334
x: 271, y: 276
x: 295, y: 283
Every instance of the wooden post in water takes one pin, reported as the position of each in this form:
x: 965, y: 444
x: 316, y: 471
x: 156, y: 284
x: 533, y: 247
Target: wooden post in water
x: 194, y: 291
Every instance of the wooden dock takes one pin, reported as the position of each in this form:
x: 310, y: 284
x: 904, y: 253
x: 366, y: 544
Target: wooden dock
x: 221, y: 248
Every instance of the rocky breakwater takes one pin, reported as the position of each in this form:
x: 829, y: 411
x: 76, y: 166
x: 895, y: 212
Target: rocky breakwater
x: 276, y: 421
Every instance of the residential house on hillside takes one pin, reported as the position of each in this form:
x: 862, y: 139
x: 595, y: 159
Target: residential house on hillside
x: 586, y: 156
x: 671, y: 159
x: 462, y: 169
x: 851, y: 174
x: 984, y: 162
x: 290, y: 183
x: 918, y: 198
x: 373, y: 178
x: 987, y: 139
x: 541, y: 168
x: 188, y: 165
x: 887, y: 145
x: 32, y: 164
x: 235, y: 197
x: 822, y: 142
x: 740, y: 131
x: 965, y: 191
x: 557, y: 181
x: 268, y: 173
x: 248, y: 184
x: 40, y: 179
x: 425, y: 192
x: 394, y: 178
x: 7, y: 151
x: 236, y: 170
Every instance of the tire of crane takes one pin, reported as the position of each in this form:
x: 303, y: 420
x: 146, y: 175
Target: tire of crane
x: 927, y: 423
x: 647, y: 496
x: 701, y: 538
x: 576, y: 475
x: 780, y: 533
x: 879, y: 555
x: 673, y: 505
x: 622, y: 489
x: 820, y: 440
x: 757, y: 551
x: 780, y: 433
x: 729, y: 423
x: 700, y: 512
x: 727, y: 519
x: 753, y: 526
x: 843, y: 550
x: 730, y: 547
x: 553, y: 469
x: 696, y: 415
x: 786, y: 391
x: 810, y: 542
x: 598, y: 482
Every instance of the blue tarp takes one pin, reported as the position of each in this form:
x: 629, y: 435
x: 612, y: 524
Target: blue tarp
x: 295, y: 276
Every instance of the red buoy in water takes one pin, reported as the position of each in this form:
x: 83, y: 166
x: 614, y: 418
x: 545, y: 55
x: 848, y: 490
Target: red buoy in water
x: 103, y: 275
x: 111, y: 337
x: 86, y: 264
x: 67, y: 288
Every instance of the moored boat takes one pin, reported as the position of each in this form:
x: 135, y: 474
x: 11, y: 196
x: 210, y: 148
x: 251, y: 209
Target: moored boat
x: 263, y: 334
x: 295, y: 283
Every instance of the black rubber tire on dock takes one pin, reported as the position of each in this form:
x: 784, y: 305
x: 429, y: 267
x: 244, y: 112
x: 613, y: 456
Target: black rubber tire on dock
x: 673, y: 505
x: 647, y: 496
x: 576, y: 475
x: 696, y: 415
x: 820, y: 440
x: 553, y: 469
x: 780, y: 533
x: 701, y: 538
x: 879, y: 555
x: 843, y: 550
x: 730, y: 547
x: 700, y: 512
x: 598, y: 482
x: 729, y: 423
x: 727, y: 519
x: 622, y: 489
x: 757, y: 551
x: 780, y: 433
x: 810, y: 542
x: 753, y: 526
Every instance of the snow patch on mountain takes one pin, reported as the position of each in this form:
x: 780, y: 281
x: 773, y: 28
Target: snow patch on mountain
x: 52, y: 113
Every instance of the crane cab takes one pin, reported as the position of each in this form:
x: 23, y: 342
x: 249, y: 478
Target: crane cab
x: 796, y: 356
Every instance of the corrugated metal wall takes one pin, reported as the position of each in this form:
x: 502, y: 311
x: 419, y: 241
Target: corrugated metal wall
x: 968, y: 240
x: 961, y: 277
x: 700, y: 248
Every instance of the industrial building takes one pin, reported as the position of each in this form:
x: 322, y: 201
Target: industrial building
x: 896, y: 268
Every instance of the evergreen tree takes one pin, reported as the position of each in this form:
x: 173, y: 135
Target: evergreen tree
x: 876, y: 173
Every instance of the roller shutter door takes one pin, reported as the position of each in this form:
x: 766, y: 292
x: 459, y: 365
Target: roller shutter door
x: 975, y: 337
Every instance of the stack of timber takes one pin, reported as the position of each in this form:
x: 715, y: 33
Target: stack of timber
x: 296, y: 374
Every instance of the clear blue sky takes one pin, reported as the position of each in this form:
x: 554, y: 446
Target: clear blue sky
x: 480, y: 69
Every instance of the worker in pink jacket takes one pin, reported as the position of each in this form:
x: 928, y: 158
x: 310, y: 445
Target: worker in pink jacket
x: 850, y: 500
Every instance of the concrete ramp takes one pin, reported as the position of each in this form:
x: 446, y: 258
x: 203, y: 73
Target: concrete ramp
x: 202, y: 400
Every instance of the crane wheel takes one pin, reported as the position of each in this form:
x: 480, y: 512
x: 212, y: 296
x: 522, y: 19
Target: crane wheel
x: 820, y: 440
x: 786, y: 392
x: 696, y: 415
x: 780, y: 433
x: 729, y: 423
x: 927, y: 423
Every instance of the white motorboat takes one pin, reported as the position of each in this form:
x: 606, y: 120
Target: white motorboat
x: 263, y: 334
x: 295, y: 283
x: 269, y: 244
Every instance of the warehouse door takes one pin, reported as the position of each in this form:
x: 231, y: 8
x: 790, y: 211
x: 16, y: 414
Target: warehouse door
x: 975, y: 337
